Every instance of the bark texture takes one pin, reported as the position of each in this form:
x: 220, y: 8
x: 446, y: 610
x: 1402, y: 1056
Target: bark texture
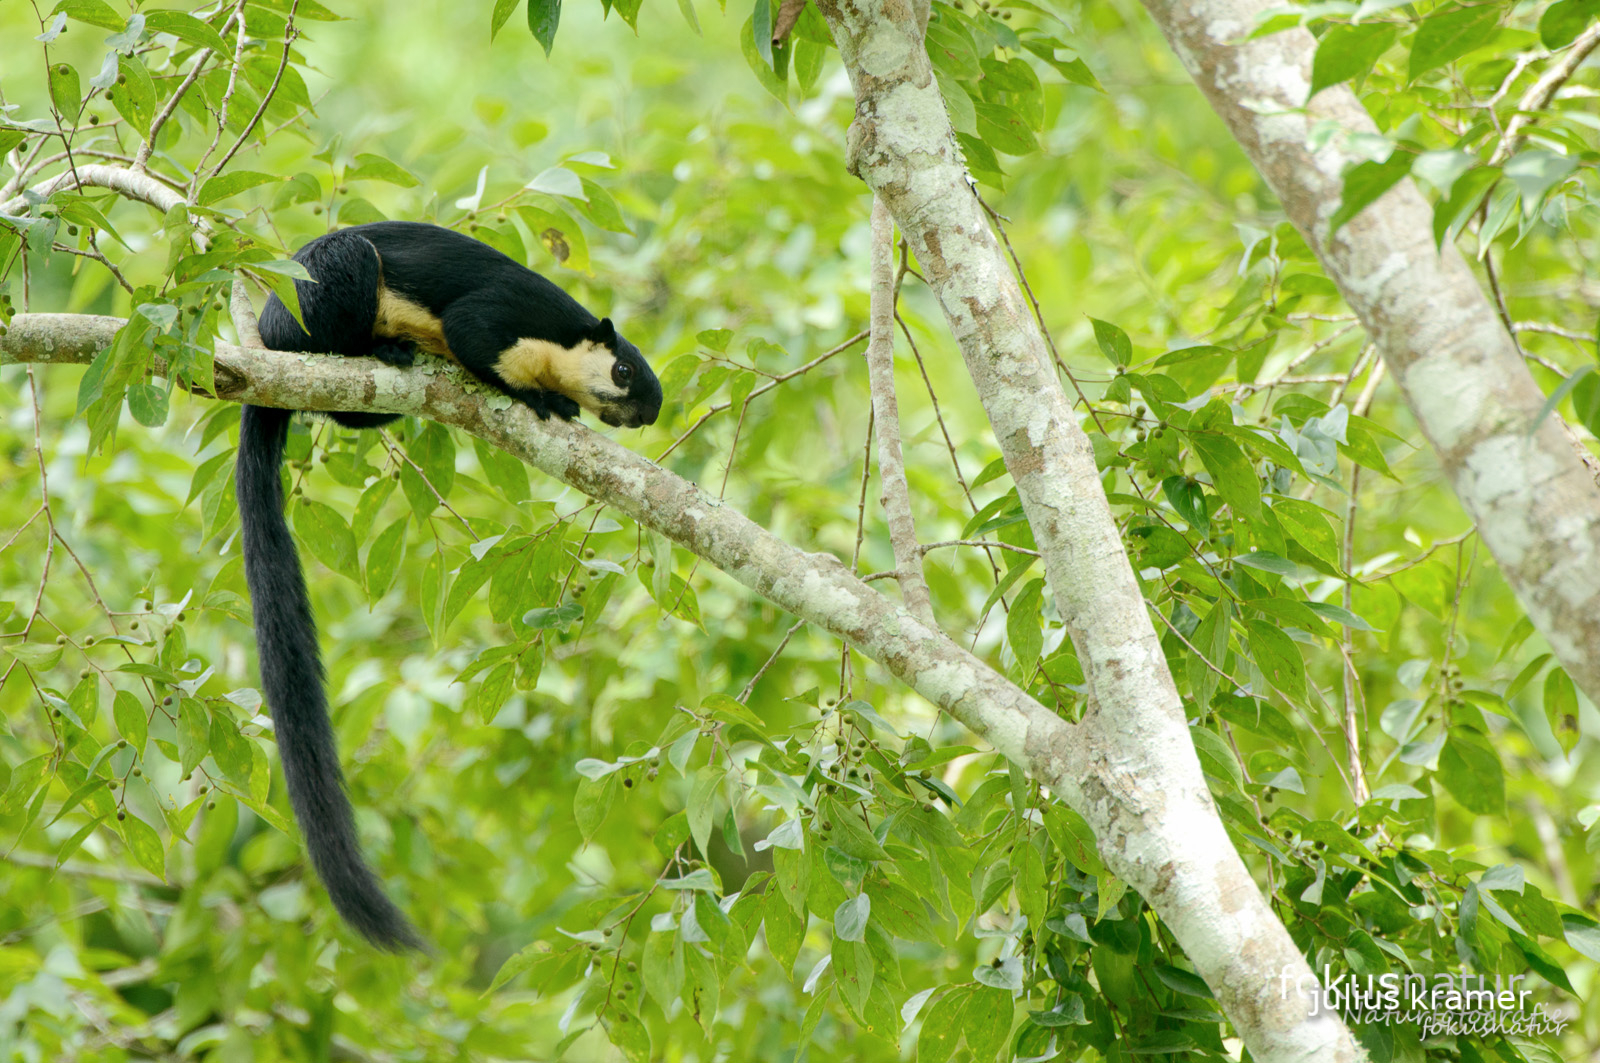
x: 896, y: 497
x: 1530, y: 495
x: 1146, y: 797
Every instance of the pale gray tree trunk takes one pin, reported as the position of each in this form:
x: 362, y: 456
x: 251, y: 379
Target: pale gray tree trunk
x: 1534, y: 502
x: 1145, y: 796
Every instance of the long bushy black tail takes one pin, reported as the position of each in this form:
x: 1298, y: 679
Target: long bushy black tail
x: 291, y: 675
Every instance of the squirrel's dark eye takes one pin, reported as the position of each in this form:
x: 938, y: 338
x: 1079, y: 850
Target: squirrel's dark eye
x: 621, y: 374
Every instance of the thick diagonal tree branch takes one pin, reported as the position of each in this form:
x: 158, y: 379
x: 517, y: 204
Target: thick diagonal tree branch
x: 1534, y: 503
x: 1147, y: 799
x: 814, y: 587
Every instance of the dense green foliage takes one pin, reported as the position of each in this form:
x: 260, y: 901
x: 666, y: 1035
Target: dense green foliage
x: 622, y: 802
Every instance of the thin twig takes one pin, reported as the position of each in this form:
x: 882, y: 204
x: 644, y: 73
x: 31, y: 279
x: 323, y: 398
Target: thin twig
x: 1353, y: 726
x: 987, y: 544
x: 289, y: 34
x: 1543, y: 91
x: 750, y: 687
x: 227, y: 99
x: 896, y: 496
x: 142, y: 159
x: 763, y: 389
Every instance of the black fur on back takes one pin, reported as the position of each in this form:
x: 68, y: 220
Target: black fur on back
x: 438, y: 267
x: 291, y: 676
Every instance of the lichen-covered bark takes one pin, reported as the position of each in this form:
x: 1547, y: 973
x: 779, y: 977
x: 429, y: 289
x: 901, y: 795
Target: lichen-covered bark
x: 1533, y: 501
x: 1145, y: 797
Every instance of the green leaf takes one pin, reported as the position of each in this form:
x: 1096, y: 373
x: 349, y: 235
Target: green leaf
x: 1113, y: 342
x: 130, y: 719
x: 941, y: 1029
x: 543, y: 18
x: 591, y: 801
x: 1211, y: 639
x: 134, y: 97
x: 1583, y: 935
x: 601, y: 209
x: 1470, y: 769
x: 1562, y: 391
x: 951, y: 50
x: 629, y: 1034
x: 326, y: 537
x: 145, y: 845
x: 194, y: 733
x: 1586, y: 402
x: 1278, y: 657
x: 853, y: 972
x: 230, y: 749
x: 377, y: 168
x: 560, y: 617
x: 1535, y: 171
x: 1231, y: 473
x: 687, y: 8
x: 763, y: 70
x: 986, y: 1021
x: 1186, y: 982
x: 1365, y: 182
x: 185, y: 27
x: 1072, y: 71
x: 383, y: 559
x: 850, y: 834
x: 1308, y: 525
x: 1338, y: 615
x: 491, y: 692
x: 502, y: 12
x: 850, y: 920
x: 148, y: 404
x: 1561, y: 707
x: 431, y: 473
x: 93, y: 12
x: 1448, y: 35
x: 761, y: 29
x: 1024, y: 626
x: 1451, y: 213
x: 41, y: 658
x: 1346, y: 52
x: 702, y: 805
x: 1561, y: 22
x: 66, y: 94
x: 785, y: 929
x: 1004, y: 129
x: 663, y: 966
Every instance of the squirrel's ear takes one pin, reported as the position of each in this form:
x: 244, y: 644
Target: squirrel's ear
x: 605, y: 333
